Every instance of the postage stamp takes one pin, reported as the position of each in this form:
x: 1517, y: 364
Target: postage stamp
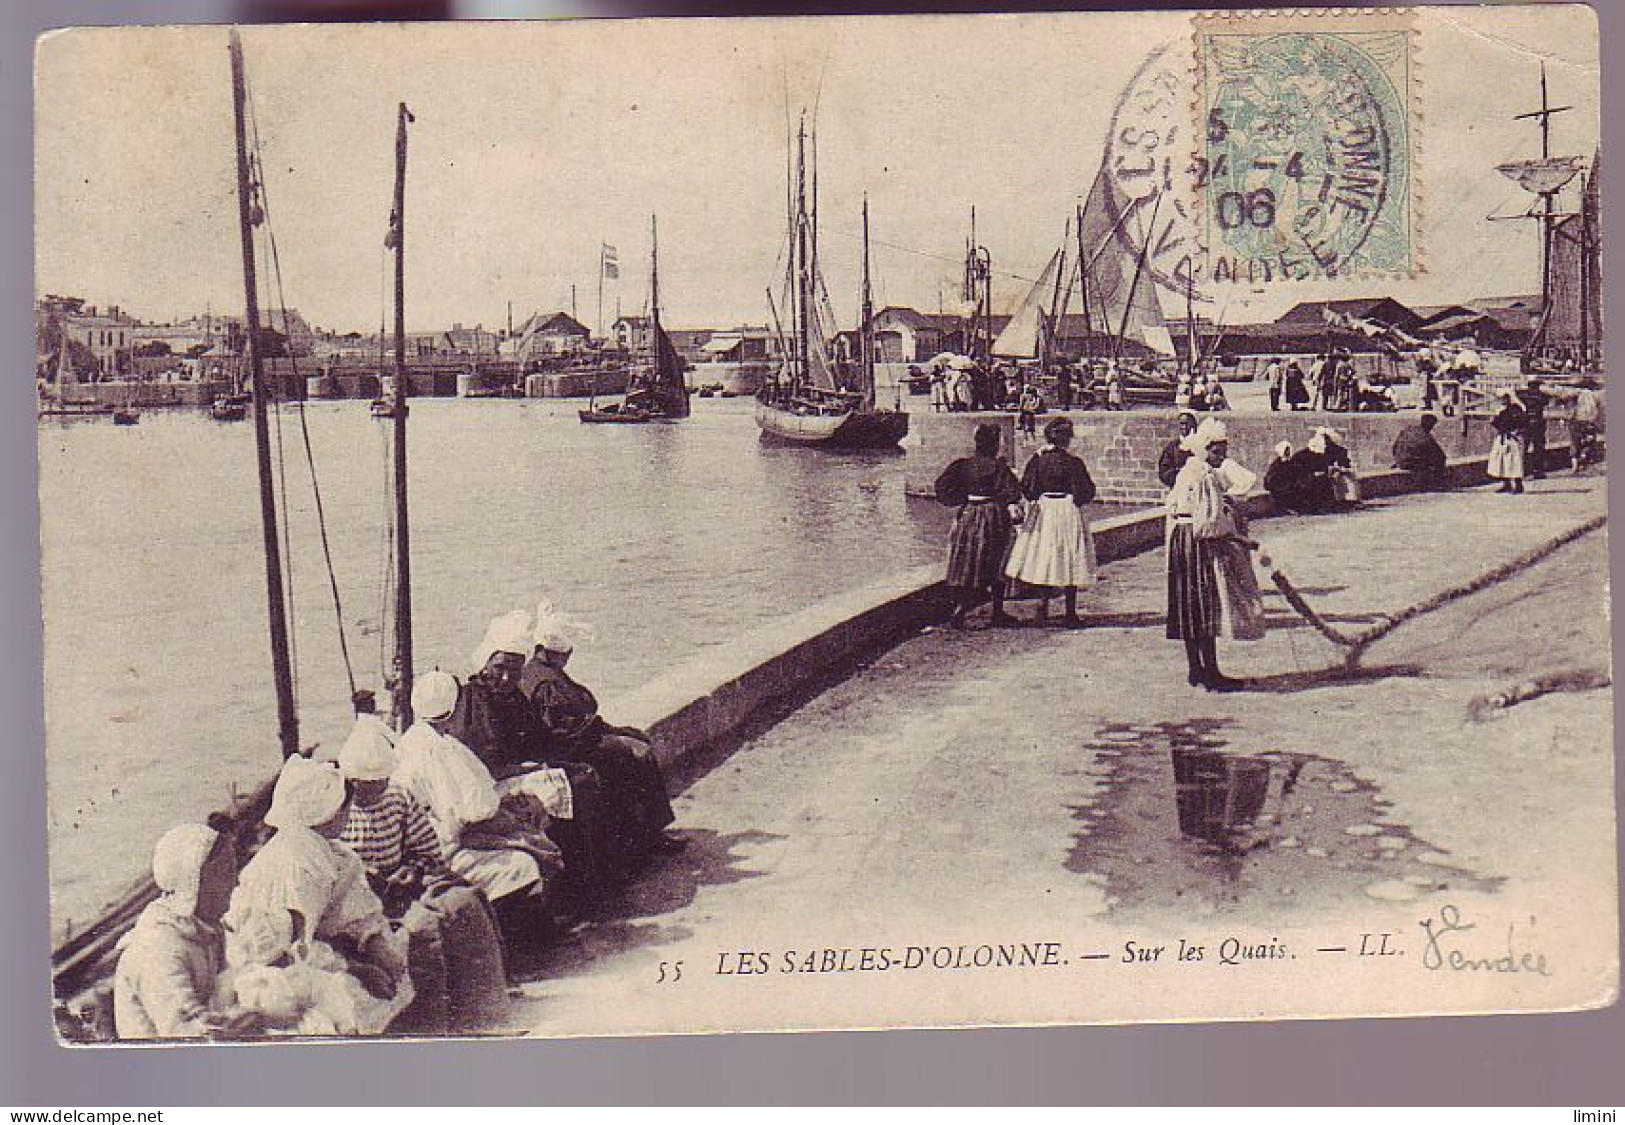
x: 1305, y: 164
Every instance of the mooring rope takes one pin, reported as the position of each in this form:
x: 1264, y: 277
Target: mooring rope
x: 1359, y: 642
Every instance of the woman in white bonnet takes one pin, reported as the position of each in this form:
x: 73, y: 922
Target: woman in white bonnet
x: 164, y: 985
x: 302, y: 869
x: 569, y: 728
x: 479, y: 841
x: 1202, y: 517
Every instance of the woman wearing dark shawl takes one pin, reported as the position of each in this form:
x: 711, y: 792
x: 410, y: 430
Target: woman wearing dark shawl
x: 983, y: 488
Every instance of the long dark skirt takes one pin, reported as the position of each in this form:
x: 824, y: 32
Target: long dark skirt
x: 1195, y: 611
x: 977, y: 545
x: 635, y: 806
x: 456, y: 961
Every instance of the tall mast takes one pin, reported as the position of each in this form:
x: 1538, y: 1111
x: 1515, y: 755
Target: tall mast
x: 1050, y: 325
x: 276, y: 605
x: 866, y: 342
x: 1192, y: 349
x: 403, y: 543
x: 1139, y: 268
x: 1585, y: 271
x: 1083, y: 291
x: 654, y: 281
x: 803, y: 273
x: 1543, y: 116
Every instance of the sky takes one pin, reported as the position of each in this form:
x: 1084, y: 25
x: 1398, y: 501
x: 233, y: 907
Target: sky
x: 536, y: 143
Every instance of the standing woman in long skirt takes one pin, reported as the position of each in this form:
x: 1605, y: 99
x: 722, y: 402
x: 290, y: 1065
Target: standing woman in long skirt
x: 1054, y: 549
x: 1202, y: 519
x: 1506, y: 451
x: 984, y: 490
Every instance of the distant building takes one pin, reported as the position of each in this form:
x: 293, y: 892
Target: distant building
x: 746, y: 344
x: 905, y: 335
x: 1499, y: 323
x: 632, y: 333
x: 1383, y: 310
x: 476, y: 341
x: 107, y: 335
x: 690, y: 342
x: 543, y: 335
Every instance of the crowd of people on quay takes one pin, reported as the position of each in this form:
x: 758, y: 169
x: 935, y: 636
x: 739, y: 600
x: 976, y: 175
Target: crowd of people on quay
x: 1029, y: 537
x: 1332, y: 383
x: 398, y: 868
x: 959, y: 384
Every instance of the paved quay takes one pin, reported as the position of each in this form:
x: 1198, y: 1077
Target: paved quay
x: 1017, y: 785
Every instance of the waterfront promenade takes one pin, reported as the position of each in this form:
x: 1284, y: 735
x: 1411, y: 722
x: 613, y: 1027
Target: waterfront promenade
x: 1015, y: 785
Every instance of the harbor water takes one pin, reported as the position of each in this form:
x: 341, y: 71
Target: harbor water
x: 667, y: 539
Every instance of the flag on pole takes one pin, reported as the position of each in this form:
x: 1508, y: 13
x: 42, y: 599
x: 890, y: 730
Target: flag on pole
x: 611, y: 262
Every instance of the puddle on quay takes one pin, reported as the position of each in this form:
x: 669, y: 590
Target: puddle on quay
x: 1183, y: 821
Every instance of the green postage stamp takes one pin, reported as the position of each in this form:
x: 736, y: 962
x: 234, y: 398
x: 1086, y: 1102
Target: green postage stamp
x: 1306, y: 145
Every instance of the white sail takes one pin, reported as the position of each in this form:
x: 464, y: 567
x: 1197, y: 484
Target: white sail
x: 1122, y: 295
x: 1158, y: 339
x: 1020, y: 337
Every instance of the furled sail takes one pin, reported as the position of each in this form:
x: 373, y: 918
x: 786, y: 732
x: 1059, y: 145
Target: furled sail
x: 1020, y: 338
x: 1122, y: 297
x: 1541, y: 177
x: 1572, y: 320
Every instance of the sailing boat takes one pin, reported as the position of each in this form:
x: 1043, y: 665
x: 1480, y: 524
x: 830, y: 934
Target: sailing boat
x: 83, y: 964
x: 67, y: 380
x: 657, y: 391
x: 127, y: 415
x: 1568, y: 335
x: 1028, y: 333
x: 1115, y: 285
x: 806, y: 403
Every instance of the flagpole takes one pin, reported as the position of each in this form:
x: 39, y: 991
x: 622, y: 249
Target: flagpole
x: 600, y: 289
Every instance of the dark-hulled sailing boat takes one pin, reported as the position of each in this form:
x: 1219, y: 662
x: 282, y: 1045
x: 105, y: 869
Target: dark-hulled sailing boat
x: 657, y: 391
x: 813, y: 400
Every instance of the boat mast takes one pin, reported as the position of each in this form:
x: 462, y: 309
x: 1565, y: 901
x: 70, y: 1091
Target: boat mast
x: 798, y: 372
x: 1192, y: 346
x: 276, y: 605
x: 1083, y: 292
x: 1585, y: 271
x: 402, y: 687
x: 866, y: 340
x: 1128, y: 300
x: 1050, y: 323
x: 1548, y: 198
x: 654, y: 285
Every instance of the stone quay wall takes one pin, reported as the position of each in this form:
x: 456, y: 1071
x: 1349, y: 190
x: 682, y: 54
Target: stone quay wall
x: 1121, y: 447
x: 578, y: 384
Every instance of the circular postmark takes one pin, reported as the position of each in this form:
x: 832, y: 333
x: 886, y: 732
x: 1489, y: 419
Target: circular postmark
x: 1146, y: 175
x: 1300, y: 173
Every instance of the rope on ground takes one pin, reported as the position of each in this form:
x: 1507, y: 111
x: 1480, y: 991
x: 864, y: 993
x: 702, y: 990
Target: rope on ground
x: 1357, y: 644
x: 1484, y: 707
x: 1305, y: 610
x: 1489, y: 578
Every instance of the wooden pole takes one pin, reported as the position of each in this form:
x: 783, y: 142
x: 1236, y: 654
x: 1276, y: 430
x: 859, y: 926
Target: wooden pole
x: 798, y: 373
x: 276, y: 604
x: 403, y: 543
x: 866, y: 340
x: 1139, y: 268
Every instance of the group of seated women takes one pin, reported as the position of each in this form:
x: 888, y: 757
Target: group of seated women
x: 1315, y: 479
x: 378, y: 901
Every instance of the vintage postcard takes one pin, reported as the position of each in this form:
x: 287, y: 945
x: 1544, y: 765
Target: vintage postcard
x: 683, y: 526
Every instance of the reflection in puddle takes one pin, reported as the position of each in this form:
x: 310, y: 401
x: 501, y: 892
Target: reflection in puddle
x: 1182, y: 820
